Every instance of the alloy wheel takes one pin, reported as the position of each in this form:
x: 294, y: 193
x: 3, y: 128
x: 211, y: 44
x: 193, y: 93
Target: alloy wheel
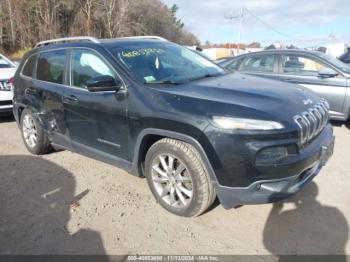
x: 29, y: 130
x: 172, y: 180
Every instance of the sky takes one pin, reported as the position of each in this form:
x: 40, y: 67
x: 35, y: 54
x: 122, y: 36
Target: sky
x: 305, y: 23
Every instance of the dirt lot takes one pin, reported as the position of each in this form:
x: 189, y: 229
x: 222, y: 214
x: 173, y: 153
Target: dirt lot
x: 116, y: 213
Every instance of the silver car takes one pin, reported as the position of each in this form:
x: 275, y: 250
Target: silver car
x: 325, y: 75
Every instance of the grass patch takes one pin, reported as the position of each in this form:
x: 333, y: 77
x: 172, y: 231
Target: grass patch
x: 19, y: 53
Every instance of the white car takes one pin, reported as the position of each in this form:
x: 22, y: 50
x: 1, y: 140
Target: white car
x: 7, y: 71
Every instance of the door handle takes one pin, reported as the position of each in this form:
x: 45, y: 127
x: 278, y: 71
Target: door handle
x: 70, y: 99
x: 287, y: 79
x: 30, y: 91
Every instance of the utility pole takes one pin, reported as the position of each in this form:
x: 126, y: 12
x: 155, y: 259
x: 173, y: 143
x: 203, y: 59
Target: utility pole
x: 240, y: 17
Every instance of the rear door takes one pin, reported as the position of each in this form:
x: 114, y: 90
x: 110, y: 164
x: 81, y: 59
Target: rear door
x: 304, y: 70
x: 45, y: 91
x: 96, y: 120
x: 263, y: 65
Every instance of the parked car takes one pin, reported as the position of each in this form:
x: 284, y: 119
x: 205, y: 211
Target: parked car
x: 321, y: 73
x: 161, y: 111
x: 222, y: 60
x: 7, y: 71
x: 345, y: 57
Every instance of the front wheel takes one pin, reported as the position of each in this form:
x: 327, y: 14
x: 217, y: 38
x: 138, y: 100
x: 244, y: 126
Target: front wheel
x: 177, y: 178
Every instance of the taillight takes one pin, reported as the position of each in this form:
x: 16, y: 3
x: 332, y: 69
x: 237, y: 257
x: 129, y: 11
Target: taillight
x: 9, y: 83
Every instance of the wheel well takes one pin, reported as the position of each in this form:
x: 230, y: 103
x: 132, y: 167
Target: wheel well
x: 147, y: 142
x: 20, y: 110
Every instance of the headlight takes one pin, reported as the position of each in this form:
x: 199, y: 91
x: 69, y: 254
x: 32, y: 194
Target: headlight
x: 245, y: 123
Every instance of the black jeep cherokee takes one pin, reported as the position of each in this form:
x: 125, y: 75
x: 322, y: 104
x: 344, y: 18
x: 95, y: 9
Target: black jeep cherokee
x: 162, y: 111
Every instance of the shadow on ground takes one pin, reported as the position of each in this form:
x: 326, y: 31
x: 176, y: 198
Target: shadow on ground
x: 307, y: 228
x: 35, y: 197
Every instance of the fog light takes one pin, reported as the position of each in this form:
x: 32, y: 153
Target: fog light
x: 271, y: 155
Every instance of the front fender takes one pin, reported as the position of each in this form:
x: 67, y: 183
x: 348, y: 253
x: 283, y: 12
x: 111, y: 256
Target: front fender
x: 142, y: 137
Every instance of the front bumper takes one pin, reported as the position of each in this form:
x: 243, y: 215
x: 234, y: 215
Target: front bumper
x: 271, y: 190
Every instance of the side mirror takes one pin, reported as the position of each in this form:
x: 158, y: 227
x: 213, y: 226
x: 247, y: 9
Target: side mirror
x: 327, y: 73
x: 103, y: 83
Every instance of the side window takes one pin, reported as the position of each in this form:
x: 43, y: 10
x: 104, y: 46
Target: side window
x: 300, y: 65
x: 86, y: 65
x: 29, y: 66
x: 234, y: 65
x: 50, y: 66
x: 259, y: 63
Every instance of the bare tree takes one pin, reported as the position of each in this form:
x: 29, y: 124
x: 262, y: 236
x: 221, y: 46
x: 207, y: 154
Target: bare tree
x: 24, y: 22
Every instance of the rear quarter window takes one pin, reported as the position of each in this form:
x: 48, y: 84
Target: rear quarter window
x: 29, y: 66
x: 51, y: 65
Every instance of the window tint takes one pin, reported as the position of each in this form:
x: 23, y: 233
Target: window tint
x: 51, y: 66
x: 299, y: 65
x: 235, y: 64
x: 86, y: 65
x: 29, y: 66
x: 259, y: 63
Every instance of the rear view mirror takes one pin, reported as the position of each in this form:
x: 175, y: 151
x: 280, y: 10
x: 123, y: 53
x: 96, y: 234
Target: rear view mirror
x: 327, y: 73
x: 103, y: 83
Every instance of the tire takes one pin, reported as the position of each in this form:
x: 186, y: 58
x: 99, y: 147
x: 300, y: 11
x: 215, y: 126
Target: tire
x: 178, y: 179
x: 33, y: 135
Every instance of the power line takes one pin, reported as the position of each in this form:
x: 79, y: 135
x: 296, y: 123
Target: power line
x: 268, y: 26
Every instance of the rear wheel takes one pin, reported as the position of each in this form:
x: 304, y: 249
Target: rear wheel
x: 177, y: 178
x: 34, y: 137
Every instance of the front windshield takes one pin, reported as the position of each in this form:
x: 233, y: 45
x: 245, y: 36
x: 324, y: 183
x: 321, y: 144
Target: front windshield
x: 4, y: 63
x: 339, y: 64
x: 160, y: 62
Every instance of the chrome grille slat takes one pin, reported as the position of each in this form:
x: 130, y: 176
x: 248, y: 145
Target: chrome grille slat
x: 312, y: 121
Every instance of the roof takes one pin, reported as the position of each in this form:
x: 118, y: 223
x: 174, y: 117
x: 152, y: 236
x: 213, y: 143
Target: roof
x: 284, y: 50
x: 274, y: 51
x: 87, y: 39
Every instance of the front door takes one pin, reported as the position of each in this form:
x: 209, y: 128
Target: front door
x: 304, y: 70
x: 96, y: 120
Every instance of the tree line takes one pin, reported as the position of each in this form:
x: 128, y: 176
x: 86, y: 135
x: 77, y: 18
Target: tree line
x: 25, y: 22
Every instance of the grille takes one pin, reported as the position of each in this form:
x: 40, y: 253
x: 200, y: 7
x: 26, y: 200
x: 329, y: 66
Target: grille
x: 6, y: 103
x: 4, y: 86
x: 312, y: 121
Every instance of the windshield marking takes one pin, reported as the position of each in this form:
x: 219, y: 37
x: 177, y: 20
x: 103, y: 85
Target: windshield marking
x: 143, y: 51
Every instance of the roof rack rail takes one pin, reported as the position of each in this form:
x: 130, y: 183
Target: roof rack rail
x: 67, y: 39
x: 146, y: 37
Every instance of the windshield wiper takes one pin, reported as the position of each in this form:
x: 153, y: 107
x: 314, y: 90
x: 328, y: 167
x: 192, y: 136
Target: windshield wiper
x: 159, y: 82
x: 203, y: 76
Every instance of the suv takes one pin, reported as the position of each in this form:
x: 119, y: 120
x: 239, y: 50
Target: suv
x: 314, y: 70
x: 164, y: 112
x: 7, y: 70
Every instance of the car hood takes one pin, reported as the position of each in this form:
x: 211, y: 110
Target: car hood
x: 6, y: 73
x: 244, y: 95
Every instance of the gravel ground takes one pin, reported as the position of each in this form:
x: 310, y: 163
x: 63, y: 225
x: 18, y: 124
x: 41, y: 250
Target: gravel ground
x: 64, y: 203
